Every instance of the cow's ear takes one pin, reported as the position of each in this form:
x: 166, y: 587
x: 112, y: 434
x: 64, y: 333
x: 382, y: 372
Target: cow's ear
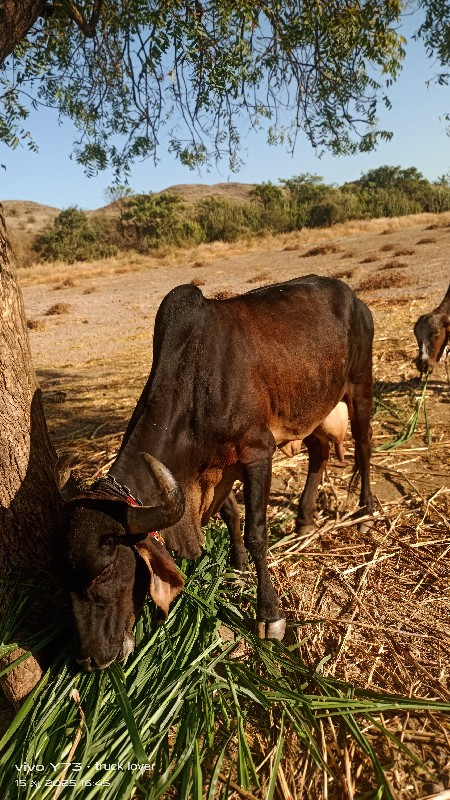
x: 166, y: 582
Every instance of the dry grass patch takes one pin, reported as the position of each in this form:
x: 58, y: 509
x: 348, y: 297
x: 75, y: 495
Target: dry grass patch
x: 370, y: 259
x: 394, y: 264
x: 89, y: 290
x: 67, y: 284
x: 126, y: 269
x: 323, y: 250
x: 404, y: 251
x: 58, y: 308
x: 427, y: 240
x: 343, y: 273
x: 388, y: 280
x: 36, y: 324
x: 290, y: 248
x: 197, y: 282
x: 387, y: 247
x: 262, y: 276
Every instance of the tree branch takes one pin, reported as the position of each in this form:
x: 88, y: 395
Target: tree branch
x: 88, y: 28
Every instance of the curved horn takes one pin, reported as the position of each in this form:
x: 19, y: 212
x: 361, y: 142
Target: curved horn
x: 142, y: 519
x: 67, y: 484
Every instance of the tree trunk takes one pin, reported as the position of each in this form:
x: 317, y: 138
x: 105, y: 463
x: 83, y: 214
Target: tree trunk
x: 29, y: 499
x: 16, y: 19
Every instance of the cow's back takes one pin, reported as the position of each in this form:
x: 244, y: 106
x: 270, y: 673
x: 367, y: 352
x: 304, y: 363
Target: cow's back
x: 285, y: 352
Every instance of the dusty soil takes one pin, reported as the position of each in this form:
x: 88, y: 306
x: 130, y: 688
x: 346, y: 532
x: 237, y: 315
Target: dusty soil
x: 379, y: 602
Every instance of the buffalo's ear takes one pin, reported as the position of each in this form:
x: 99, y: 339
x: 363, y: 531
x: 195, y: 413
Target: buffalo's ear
x: 166, y: 582
x: 446, y: 321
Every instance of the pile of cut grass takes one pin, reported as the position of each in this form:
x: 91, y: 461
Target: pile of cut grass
x: 194, y: 713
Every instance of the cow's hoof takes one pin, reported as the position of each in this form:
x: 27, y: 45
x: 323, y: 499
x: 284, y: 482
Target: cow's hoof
x: 304, y: 529
x: 272, y: 630
x: 366, y: 525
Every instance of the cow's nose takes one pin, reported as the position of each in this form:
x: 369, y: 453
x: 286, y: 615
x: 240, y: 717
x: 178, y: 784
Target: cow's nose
x: 127, y: 645
x: 423, y: 365
x: 89, y: 664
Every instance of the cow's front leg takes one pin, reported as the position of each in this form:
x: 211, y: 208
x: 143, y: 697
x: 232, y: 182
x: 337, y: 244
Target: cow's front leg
x: 270, y: 619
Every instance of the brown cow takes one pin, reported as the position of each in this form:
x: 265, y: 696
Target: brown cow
x: 230, y: 380
x: 432, y: 332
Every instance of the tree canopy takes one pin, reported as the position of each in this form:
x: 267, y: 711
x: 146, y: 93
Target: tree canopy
x: 136, y: 75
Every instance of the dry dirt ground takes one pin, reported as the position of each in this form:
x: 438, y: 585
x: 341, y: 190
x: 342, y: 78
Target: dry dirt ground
x: 374, y: 609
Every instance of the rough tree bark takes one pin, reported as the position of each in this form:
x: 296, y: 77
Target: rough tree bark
x: 29, y: 499
x: 16, y: 19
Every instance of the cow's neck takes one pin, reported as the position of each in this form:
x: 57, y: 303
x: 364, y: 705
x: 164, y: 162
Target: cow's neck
x: 160, y: 431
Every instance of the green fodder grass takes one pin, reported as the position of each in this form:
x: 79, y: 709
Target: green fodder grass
x: 200, y: 710
x: 407, y: 430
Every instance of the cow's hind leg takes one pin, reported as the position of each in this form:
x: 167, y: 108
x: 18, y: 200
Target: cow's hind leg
x: 318, y: 456
x: 232, y: 519
x: 270, y: 619
x: 359, y: 402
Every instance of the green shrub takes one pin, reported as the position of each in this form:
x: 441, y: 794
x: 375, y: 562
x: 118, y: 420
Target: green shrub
x: 272, y: 203
x: 222, y: 220
x: 74, y: 238
x: 436, y: 199
x: 154, y: 220
x: 340, y: 205
x: 390, y: 203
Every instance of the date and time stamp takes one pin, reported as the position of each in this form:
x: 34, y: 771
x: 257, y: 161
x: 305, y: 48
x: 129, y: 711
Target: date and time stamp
x: 69, y: 773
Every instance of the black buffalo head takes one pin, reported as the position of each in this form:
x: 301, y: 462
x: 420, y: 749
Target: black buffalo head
x: 111, y: 560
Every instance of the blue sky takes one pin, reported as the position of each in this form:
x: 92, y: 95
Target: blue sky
x: 416, y: 119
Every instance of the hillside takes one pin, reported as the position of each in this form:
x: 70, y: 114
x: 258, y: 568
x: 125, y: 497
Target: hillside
x: 25, y: 219
x: 193, y: 192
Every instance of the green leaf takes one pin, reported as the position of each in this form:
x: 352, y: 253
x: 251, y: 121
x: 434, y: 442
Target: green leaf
x: 117, y: 679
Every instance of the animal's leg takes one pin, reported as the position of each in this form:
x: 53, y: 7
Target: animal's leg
x: 270, y: 618
x: 231, y: 517
x: 359, y: 401
x: 319, y: 453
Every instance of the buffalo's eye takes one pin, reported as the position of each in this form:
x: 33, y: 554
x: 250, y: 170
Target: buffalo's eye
x: 109, y: 541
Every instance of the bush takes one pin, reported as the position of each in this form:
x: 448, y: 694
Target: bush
x: 74, y: 238
x: 390, y: 203
x: 222, y: 220
x: 273, y: 206
x: 155, y: 220
x: 340, y: 205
